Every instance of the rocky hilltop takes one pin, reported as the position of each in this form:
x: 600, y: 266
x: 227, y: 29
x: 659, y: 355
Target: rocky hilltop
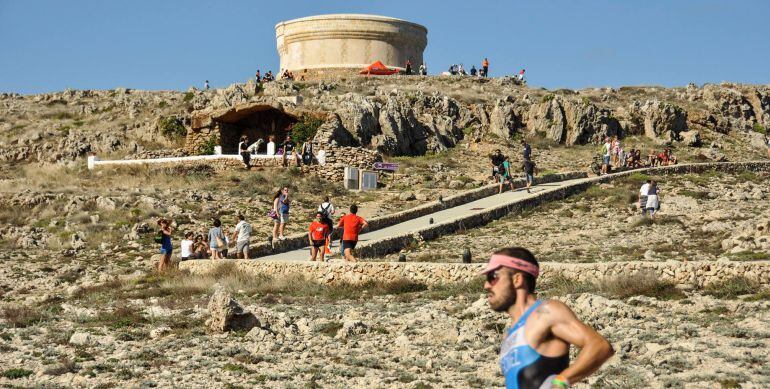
x: 396, y: 116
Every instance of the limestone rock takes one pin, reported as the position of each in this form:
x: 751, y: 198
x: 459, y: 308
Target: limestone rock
x: 81, y: 339
x: 502, y: 119
x: 227, y: 314
x: 690, y: 138
x: 571, y: 121
x: 351, y: 328
x: 658, y: 120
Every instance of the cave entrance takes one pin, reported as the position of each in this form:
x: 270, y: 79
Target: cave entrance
x: 259, y: 121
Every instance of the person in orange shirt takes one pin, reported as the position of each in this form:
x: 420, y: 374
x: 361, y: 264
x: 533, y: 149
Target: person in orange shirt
x: 352, y: 225
x: 317, y: 237
x: 485, y: 67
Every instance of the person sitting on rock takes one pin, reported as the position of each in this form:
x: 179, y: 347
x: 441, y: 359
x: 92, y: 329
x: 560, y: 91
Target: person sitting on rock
x: 630, y: 158
x: 473, y: 70
x: 652, y: 159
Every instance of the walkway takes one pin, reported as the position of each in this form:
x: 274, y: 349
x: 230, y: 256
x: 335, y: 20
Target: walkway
x: 414, y: 225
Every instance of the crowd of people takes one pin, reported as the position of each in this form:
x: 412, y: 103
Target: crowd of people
x: 459, y: 70
x: 303, y: 157
x: 502, y: 167
x: 217, y: 241
x: 615, y: 157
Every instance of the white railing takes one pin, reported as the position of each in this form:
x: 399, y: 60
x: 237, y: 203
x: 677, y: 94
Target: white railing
x: 94, y: 161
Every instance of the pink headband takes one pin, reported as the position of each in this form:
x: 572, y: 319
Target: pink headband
x: 498, y: 260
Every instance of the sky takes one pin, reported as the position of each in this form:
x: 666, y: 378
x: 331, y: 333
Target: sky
x: 51, y: 45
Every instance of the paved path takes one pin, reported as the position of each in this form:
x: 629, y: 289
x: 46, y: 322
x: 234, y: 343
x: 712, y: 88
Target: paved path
x: 413, y: 225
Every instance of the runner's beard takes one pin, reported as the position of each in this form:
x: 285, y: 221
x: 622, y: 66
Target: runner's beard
x: 504, y: 302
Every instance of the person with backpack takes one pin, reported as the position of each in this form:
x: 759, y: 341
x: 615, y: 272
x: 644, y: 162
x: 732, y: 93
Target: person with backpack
x: 529, y: 170
x: 317, y: 236
x: 505, y: 174
x: 217, y: 241
x: 326, y: 209
x: 164, y: 238
x: 241, y: 236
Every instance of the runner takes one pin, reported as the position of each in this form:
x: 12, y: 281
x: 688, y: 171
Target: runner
x: 241, y: 236
x: 316, y: 237
x: 535, y: 351
x: 529, y: 170
x: 505, y: 175
x: 165, y: 244
x: 352, y: 225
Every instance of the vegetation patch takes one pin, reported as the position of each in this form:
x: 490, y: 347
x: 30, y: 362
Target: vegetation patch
x: 305, y: 128
x: 17, y: 373
x: 172, y: 127
x: 731, y: 288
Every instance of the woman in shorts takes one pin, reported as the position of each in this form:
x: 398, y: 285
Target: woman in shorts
x: 165, y: 245
x: 653, y: 203
x: 316, y: 237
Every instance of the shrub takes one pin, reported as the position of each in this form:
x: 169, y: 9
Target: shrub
x: 547, y: 98
x: 639, y: 284
x: 208, y: 147
x: 188, y: 96
x: 731, y: 287
x: 305, y: 128
x: 17, y: 373
x: 171, y: 127
x: 758, y: 128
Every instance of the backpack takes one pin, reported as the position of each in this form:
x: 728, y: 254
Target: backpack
x: 325, y: 211
x: 159, y: 237
x: 501, y: 169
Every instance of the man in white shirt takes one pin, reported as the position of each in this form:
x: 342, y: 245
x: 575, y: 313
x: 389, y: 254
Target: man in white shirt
x: 241, y: 236
x: 643, y: 195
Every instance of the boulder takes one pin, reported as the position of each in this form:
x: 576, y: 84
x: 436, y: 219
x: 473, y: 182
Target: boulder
x: 502, y: 119
x: 571, y: 121
x: 227, y: 315
x: 690, y: 138
x: 81, y: 339
x: 658, y: 120
x: 351, y: 328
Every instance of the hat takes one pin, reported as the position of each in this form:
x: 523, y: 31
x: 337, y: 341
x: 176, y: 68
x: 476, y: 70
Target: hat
x: 498, y: 260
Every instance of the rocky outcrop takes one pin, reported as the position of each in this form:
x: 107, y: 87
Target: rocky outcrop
x: 227, y: 314
x: 503, y: 121
x: 571, y: 121
x: 657, y: 120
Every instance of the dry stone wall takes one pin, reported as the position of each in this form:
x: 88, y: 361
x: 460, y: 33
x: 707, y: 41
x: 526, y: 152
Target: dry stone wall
x: 683, y: 274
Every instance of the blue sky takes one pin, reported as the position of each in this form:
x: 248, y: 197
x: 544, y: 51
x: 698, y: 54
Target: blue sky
x: 173, y: 44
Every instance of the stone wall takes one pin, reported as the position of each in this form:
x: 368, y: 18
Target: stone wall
x: 339, y: 157
x: 683, y: 274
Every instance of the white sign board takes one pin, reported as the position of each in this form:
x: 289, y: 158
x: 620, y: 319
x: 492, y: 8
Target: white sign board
x: 368, y: 180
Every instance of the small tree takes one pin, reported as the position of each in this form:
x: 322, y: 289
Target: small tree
x: 305, y: 128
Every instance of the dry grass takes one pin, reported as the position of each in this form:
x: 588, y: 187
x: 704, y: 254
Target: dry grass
x: 732, y: 288
x: 639, y: 284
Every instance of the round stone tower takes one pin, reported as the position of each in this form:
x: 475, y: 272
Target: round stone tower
x: 344, y: 44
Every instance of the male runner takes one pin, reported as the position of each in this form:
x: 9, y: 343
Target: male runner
x: 535, y: 351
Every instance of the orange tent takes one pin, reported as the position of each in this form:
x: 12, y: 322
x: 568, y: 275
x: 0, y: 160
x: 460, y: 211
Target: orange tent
x: 378, y: 68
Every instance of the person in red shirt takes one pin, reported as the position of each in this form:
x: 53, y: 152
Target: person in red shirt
x: 316, y: 237
x: 352, y: 225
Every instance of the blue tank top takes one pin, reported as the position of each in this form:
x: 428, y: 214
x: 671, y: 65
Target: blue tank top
x: 523, y: 366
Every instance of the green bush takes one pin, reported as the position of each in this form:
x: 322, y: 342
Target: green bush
x: 305, y: 128
x: 758, y: 128
x: 208, y: 147
x: 17, y: 373
x: 188, y: 96
x: 547, y: 98
x: 172, y: 127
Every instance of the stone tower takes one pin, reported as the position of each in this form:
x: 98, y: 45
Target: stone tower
x: 344, y: 44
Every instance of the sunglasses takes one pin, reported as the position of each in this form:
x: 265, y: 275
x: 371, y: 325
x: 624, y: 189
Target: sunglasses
x: 493, y: 277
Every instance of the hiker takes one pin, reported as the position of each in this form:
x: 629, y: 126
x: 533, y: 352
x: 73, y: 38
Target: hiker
x: 307, y: 153
x: 206, y: 85
x: 327, y: 211
x: 606, y: 150
x: 535, y: 350
x: 643, y: 191
x: 473, y: 70
x: 243, y: 149
x: 614, y: 146
x: 520, y: 77
x: 423, y: 70
x: 485, y: 67
x: 496, y: 159
x: 165, y: 244
x: 289, y: 149
x: 187, y: 246
x: 527, y: 149
x: 529, y: 171
x: 505, y: 175
x: 258, y: 77
x: 317, y: 236
x: 408, y: 68
x: 461, y: 70
x: 280, y: 213
x: 217, y: 241
x: 241, y: 236
x: 653, y: 203
x: 352, y: 225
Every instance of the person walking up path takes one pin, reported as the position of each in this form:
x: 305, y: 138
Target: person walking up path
x: 352, y: 225
x: 505, y: 175
x: 165, y: 244
x: 317, y: 235
x: 217, y: 241
x: 241, y: 236
x: 535, y: 350
x: 529, y: 171
x: 643, y: 196
x: 327, y: 211
x: 653, y: 202
x: 281, y: 211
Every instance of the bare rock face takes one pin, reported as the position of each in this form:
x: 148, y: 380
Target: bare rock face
x: 657, y: 120
x: 572, y: 122
x: 690, y: 138
x: 227, y: 314
x: 732, y: 109
x: 502, y: 118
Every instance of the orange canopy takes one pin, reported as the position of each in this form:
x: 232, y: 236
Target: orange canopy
x: 378, y: 68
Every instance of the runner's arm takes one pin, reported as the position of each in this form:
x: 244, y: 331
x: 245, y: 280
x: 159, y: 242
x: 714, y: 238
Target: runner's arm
x: 594, y: 349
